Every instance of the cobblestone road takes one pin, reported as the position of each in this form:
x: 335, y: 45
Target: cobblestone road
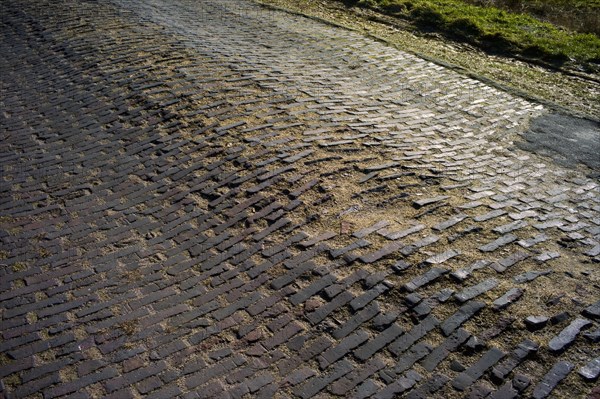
x: 213, y: 199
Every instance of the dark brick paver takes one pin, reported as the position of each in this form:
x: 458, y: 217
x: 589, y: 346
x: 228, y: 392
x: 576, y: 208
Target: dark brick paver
x: 212, y: 199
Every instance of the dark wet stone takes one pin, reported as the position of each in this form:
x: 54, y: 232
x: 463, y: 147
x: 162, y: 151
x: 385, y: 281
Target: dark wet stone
x: 551, y: 379
x: 559, y: 318
x: 591, y: 370
x: 566, y: 337
x: 593, y: 336
x: 592, y: 311
x: 535, y: 323
x: 455, y: 365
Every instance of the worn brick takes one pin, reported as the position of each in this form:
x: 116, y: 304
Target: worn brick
x: 345, y: 346
x: 558, y: 372
x: 429, y: 387
x: 521, y: 352
x: 357, y: 320
x: 411, y: 356
x: 439, y: 353
x: 566, y: 337
x: 379, y: 342
x: 399, y: 386
x: 323, y: 311
x: 416, y: 333
x: 473, y: 373
x: 476, y: 290
x: 463, y: 314
x: 316, y: 384
x: 424, y: 279
x: 357, y: 376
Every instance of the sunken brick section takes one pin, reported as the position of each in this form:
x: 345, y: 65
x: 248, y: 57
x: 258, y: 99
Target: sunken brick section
x: 209, y: 199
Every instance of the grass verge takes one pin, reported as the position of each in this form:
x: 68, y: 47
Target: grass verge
x: 577, y: 94
x: 577, y: 15
x: 496, y: 31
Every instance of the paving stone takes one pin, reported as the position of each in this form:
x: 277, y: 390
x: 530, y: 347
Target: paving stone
x: 116, y: 185
x: 450, y: 222
x: 593, y: 336
x: 473, y: 373
x: 439, y: 353
x: 463, y: 314
x: 368, y: 230
x: 530, y: 276
x: 506, y: 391
x: 400, y: 266
x: 533, y: 241
x: 566, y: 337
x: 500, y: 242
x: 345, y: 283
x: 511, y: 260
x: 476, y: 290
x: 355, y: 245
x: 591, y: 370
x: 508, y: 298
x: 516, y: 357
x: 594, y: 251
x: 428, y: 201
x: 381, y: 253
x: 316, y: 384
x: 311, y: 350
x: 411, y: 356
x: 416, y: 333
x: 592, y: 311
x: 473, y: 229
x: 429, y: 387
x: 479, y: 391
x: 312, y: 289
x: 490, y: 215
x: 520, y: 382
x: 561, y: 317
x: 355, y: 377
x: 512, y: 226
x: 535, y: 323
x: 364, y: 299
x: 315, y: 240
x: 442, y: 257
x: 322, y: 312
x: 427, y: 278
x: 358, y: 319
x: 365, y: 390
x: 462, y: 274
x: 379, y: 342
x: 74, y: 386
x: 293, y: 274
x: 558, y: 372
x: 281, y: 336
x: 300, y: 375
x: 396, y: 235
x: 401, y: 385
x: 384, y: 320
x: 412, y: 248
x: 345, y: 346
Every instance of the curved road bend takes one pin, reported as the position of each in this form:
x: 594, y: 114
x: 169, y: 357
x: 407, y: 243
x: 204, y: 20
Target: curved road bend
x: 213, y: 199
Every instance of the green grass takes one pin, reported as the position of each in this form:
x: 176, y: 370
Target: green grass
x: 577, y: 15
x: 497, y: 30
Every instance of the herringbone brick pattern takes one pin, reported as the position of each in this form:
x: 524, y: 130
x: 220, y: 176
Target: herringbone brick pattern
x: 213, y: 199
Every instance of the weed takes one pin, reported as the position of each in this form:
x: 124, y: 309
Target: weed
x: 497, y: 30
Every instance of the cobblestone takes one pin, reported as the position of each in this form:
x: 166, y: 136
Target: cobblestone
x: 188, y: 216
x: 568, y: 335
x: 558, y: 372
